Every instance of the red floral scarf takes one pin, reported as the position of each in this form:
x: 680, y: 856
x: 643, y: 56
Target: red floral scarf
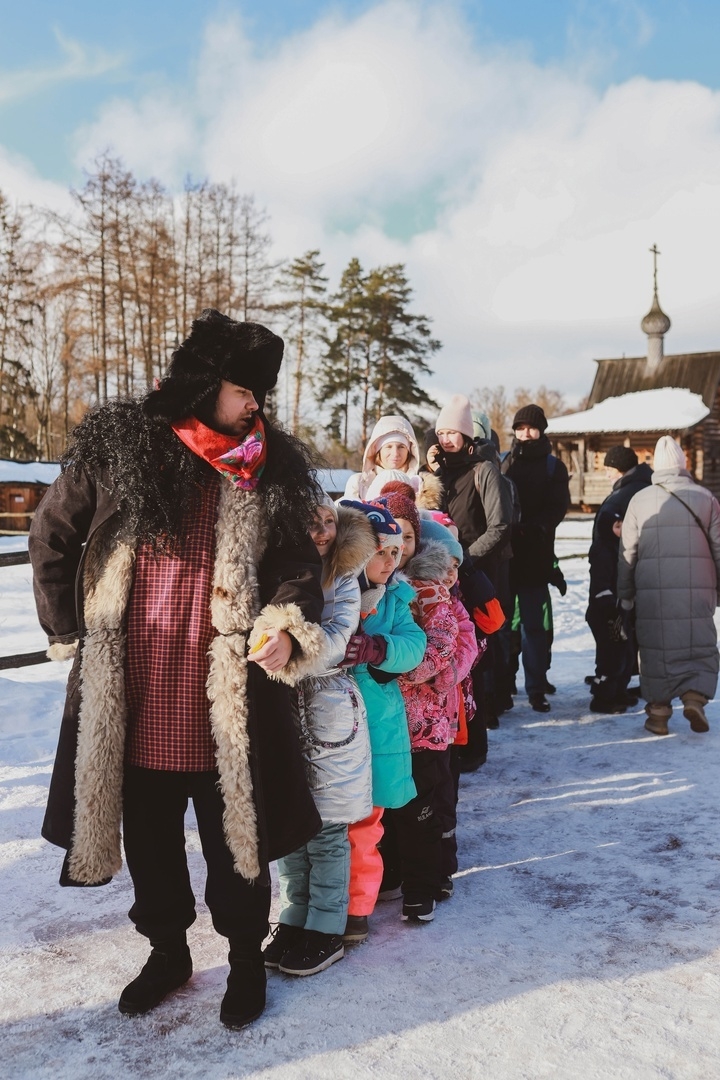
x: 241, y: 464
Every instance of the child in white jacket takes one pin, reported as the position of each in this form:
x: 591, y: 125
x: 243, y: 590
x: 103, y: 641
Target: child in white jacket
x: 332, y: 720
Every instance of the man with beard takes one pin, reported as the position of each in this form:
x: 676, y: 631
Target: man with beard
x: 171, y: 558
x: 541, y: 480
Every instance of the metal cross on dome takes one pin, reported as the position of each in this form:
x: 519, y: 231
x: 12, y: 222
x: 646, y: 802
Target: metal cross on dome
x: 655, y: 253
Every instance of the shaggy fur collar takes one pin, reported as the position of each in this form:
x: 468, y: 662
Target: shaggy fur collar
x: 431, y: 563
x: 355, y: 545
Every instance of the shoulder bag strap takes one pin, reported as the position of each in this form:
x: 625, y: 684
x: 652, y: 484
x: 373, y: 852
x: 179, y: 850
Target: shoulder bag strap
x: 690, y: 511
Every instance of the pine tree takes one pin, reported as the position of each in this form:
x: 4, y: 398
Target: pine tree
x: 340, y: 368
x: 397, y: 349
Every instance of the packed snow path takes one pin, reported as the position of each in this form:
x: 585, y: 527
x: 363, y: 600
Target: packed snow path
x: 582, y: 940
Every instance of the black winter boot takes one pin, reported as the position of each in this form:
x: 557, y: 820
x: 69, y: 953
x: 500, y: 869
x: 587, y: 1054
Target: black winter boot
x: 168, y: 967
x: 244, y: 998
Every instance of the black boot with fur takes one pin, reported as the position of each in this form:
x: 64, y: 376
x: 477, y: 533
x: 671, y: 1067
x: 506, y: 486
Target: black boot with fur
x: 168, y: 967
x: 244, y: 998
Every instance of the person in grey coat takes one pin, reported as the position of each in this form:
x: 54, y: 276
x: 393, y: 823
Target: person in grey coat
x: 669, y: 570
x: 332, y: 721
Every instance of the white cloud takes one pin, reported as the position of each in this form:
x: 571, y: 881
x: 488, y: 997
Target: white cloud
x: 541, y: 194
x: 20, y: 183
x: 79, y: 62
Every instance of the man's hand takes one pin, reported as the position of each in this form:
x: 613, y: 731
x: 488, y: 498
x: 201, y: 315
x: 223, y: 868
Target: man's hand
x: 276, y: 651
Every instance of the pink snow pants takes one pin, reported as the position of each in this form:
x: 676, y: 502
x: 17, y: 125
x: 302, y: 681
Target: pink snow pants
x: 366, y: 865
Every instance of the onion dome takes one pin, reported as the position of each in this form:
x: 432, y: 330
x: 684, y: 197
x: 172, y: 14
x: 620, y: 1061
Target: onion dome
x: 656, y: 321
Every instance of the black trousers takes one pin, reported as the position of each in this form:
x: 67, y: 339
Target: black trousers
x: 411, y: 844
x: 446, y: 802
x: 154, y: 807
x: 613, y: 659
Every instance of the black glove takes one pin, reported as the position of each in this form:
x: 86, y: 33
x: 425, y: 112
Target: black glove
x: 616, y: 627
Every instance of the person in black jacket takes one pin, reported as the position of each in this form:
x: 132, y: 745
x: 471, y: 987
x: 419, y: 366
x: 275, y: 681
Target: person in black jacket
x: 615, y: 646
x: 479, y: 501
x: 629, y: 477
x: 541, y: 480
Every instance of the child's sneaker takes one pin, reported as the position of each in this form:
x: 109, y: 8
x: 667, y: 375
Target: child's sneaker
x: 356, y: 929
x: 314, y: 953
x: 447, y: 887
x: 284, y: 937
x: 415, y: 908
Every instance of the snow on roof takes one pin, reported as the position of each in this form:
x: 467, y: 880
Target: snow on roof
x: 670, y: 408
x: 28, y: 472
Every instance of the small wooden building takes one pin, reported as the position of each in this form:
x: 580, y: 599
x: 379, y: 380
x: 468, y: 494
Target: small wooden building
x: 635, y: 400
x: 22, y: 486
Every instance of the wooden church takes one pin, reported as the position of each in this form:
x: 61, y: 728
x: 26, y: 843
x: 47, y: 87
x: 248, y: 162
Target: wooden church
x: 635, y: 400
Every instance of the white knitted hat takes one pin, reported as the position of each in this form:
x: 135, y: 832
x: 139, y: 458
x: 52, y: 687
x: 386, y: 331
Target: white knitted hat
x: 668, y: 455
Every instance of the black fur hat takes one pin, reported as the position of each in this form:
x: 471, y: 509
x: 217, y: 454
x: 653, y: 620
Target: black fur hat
x: 217, y: 348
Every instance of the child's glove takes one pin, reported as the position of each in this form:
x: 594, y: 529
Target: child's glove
x: 365, y: 649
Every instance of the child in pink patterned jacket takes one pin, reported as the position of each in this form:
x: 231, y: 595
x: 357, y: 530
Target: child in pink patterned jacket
x: 411, y: 846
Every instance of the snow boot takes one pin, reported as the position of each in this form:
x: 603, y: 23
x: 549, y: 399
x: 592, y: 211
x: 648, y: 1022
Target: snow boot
x: 539, y: 702
x: 657, y: 718
x: 694, y: 710
x: 418, y: 909
x: 608, y: 706
x: 390, y: 892
x: 447, y: 888
x: 314, y: 953
x: 168, y: 967
x: 244, y: 998
x: 284, y: 938
x: 356, y: 929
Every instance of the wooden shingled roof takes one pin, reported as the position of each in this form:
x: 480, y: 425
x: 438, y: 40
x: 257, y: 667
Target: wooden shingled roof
x: 698, y: 372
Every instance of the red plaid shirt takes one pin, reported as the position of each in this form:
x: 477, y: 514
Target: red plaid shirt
x: 168, y: 635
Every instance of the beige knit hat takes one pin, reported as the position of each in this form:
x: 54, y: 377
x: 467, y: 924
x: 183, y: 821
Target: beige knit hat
x: 456, y: 416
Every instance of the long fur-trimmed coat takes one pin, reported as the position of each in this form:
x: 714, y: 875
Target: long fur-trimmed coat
x: 83, y: 560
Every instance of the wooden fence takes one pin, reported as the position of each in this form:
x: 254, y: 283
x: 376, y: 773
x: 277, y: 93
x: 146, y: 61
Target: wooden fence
x: 19, y: 558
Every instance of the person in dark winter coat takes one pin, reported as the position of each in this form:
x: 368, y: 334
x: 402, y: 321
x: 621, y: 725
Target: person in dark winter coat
x: 171, y: 559
x: 541, y: 480
x: 628, y: 477
x: 615, y: 645
x: 480, y: 502
x: 613, y: 649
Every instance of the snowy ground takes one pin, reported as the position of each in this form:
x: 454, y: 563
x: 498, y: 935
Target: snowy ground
x: 582, y: 940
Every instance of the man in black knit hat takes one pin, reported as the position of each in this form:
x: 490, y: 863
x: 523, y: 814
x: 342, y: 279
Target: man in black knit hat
x: 615, y: 644
x: 171, y: 559
x: 541, y: 480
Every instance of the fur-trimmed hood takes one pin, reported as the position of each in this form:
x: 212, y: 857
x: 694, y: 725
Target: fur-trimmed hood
x: 432, y: 562
x: 354, y: 546
x: 388, y: 425
x: 430, y: 495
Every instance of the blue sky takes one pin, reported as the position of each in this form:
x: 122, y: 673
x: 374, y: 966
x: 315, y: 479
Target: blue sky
x: 520, y: 157
x: 137, y: 45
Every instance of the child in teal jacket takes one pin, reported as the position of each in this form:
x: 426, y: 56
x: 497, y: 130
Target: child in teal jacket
x: 388, y: 644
